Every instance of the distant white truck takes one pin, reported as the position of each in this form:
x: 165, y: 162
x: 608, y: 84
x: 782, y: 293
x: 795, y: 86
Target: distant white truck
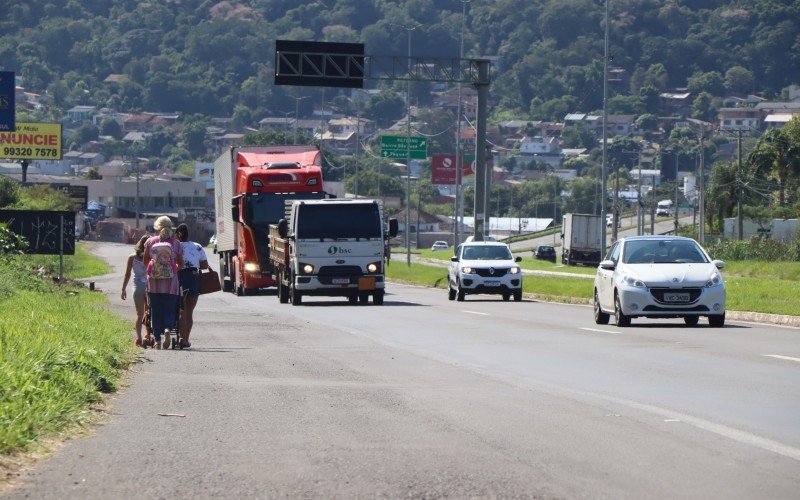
x: 582, y: 235
x: 664, y: 208
x: 331, y: 247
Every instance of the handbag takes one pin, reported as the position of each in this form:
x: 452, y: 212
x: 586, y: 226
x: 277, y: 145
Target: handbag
x: 209, y: 282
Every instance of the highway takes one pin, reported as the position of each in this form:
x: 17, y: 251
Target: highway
x: 424, y: 397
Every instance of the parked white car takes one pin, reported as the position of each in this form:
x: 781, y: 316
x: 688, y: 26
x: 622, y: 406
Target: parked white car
x: 659, y: 277
x: 484, y: 267
x: 440, y: 245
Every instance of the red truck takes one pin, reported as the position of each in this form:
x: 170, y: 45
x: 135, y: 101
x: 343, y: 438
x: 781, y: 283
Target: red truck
x: 251, y: 186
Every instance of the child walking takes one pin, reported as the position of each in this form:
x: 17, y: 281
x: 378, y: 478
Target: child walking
x: 136, y: 264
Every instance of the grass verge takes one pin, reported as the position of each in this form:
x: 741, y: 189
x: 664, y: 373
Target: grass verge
x: 61, y: 348
x: 750, y: 286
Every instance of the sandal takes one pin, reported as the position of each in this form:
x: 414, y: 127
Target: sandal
x: 138, y: 342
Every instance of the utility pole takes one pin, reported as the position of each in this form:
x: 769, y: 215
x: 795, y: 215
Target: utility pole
x: 739, y: 187
x: 459, y: 153
x: 296, y: 113
x: 701, y: 180
x: 675, y: 208
x: 605, y: 135
x: 615, y: 209
x: 639, y: 206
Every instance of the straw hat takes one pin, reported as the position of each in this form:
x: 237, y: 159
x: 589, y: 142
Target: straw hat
x: 162, y: 222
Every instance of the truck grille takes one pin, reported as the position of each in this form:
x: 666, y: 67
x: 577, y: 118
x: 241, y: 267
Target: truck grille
x: 328, y: 273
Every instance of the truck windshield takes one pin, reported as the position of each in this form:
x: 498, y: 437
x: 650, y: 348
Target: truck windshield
x: 356, y: 220
x: 269, y: 208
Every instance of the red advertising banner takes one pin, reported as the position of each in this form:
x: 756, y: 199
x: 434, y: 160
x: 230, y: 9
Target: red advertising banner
x: 443, y: 169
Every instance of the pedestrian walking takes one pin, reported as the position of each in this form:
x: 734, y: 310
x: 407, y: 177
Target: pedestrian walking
x: 136, y: 265
x: 163, y: 256
x: 195, y: 260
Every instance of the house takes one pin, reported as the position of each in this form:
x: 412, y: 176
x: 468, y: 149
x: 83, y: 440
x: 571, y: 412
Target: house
x: 279, y: 123
x: 114, y: 80
x: 739, y: 119
x: 620, y: 124
x: 80, y: 113
x: 778, y: 120
x: 679, y: 103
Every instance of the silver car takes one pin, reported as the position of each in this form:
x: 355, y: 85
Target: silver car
x: 659, y: 277
x: 484, y: 267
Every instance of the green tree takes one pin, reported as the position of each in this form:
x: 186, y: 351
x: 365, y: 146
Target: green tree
x: 110, y: 127
x: 93, y: 174
x: 740, y: 80
x: 194, y: 138
x: 704, y: 108
x: 83, y: 134
x: 711, y: 82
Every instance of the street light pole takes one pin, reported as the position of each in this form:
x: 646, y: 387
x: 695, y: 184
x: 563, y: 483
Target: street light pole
x: 605, y: 134
x: 459, y: 153
x: 296, y: 115
x: 675, y: 208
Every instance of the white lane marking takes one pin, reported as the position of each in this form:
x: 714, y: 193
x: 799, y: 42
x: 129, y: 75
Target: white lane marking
x: 778, y: 356
x: 597, y: 330
x: 476, y: 312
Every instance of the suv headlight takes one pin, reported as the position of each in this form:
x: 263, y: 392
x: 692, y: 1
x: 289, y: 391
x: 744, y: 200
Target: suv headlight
x: 514, y: 270
x: 466, y: 270
x: 714, y: 280
x: 631, y: 281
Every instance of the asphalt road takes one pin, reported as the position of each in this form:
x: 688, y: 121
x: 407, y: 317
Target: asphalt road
x: 424, y: 397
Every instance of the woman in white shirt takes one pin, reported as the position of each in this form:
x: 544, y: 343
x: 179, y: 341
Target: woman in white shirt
x: 194, y: 258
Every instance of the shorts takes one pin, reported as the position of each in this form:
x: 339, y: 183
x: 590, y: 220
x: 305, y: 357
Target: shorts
x: 139, y: 291
x: 190, y: 281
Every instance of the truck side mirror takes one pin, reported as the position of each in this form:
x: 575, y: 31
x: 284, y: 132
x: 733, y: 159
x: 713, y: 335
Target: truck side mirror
x: 283, y: 228
x: 393, y: 228
x: 235, y: 208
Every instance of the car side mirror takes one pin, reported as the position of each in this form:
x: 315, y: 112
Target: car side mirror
x: 283, y: 228
x: 517, y: 259
x: 718, y: 264
x: 454, y: 258
x: 608, y: 265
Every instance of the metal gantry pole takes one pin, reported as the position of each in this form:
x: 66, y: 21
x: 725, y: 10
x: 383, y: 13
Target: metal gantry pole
x: 459, y: 153
x: 480, y: 150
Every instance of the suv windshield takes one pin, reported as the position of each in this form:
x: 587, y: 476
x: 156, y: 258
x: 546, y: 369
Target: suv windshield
x: 356, y: 220
x: 486, y: 252
x: 663, y: 252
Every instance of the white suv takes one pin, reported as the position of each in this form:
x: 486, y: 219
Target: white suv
x: 484, y: 267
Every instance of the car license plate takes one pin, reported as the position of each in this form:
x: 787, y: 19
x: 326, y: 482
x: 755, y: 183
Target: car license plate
x: 340, y: 281
x: 492, y: 283
x: 676, y: 297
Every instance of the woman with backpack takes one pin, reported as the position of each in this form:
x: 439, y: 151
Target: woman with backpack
x: 163, y: 256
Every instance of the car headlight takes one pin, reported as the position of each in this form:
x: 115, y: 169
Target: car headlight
x: 252, y: 267
x: 631, y: 281
x: 466, y: 270
x: 714, y: 280
x: 306, y: 268
x: 514, y: 270
x: 373, y: 267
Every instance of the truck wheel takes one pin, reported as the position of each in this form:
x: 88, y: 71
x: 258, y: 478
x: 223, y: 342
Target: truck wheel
x: 224, y: 275
x: 352, y: 299
x: 283, y: 290
x: 363, y: 298
x: 295, y: 296
x: 377, y: 298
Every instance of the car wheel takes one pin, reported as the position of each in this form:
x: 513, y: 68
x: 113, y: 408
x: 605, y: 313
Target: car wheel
x: 460, y: 295
x: 600, y: 317
x: 619, y: 318
x: 717, y: 320
x: 691, y: 320
x: 518, y: 296
x: 451, y: 294
x: 506, y: 297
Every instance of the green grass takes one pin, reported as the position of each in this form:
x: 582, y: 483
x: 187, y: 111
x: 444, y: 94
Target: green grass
x: 751, y: 286
x: 60, y: 349
x: 78, y: 266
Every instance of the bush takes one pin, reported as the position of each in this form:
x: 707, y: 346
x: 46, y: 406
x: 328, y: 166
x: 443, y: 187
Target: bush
x: 756, y: 249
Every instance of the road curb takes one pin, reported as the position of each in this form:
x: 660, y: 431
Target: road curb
x: 772, y: 319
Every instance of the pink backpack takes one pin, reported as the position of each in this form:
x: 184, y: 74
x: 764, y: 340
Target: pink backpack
x: 163, y: 264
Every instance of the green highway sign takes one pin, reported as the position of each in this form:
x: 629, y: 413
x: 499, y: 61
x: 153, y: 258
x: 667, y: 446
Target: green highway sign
x: 394, y: 146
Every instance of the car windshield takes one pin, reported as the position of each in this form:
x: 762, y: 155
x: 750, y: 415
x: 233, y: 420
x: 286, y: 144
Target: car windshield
x: 663, y: 252
x: 488, y: 252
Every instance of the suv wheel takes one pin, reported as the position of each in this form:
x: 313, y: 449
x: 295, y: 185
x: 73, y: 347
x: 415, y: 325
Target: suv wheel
x: 451, y: 294
x: 460, y: 293
x: 518, y: 296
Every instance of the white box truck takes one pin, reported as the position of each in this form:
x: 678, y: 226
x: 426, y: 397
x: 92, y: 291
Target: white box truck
x: 331, y: 248
x: 582, y: 244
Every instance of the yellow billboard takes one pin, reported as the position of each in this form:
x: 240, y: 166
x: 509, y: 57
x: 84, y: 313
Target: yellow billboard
x: 32, y: 141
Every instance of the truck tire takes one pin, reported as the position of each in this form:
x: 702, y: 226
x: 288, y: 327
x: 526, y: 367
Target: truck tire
x: 352, y: 299
x: 377, y: 298
x: 295, y: 296
x: 225, y: 275
x: 283, y: 290
x: 363, y: 298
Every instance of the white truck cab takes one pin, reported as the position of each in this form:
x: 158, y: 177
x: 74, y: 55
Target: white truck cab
x: 331, y: 247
